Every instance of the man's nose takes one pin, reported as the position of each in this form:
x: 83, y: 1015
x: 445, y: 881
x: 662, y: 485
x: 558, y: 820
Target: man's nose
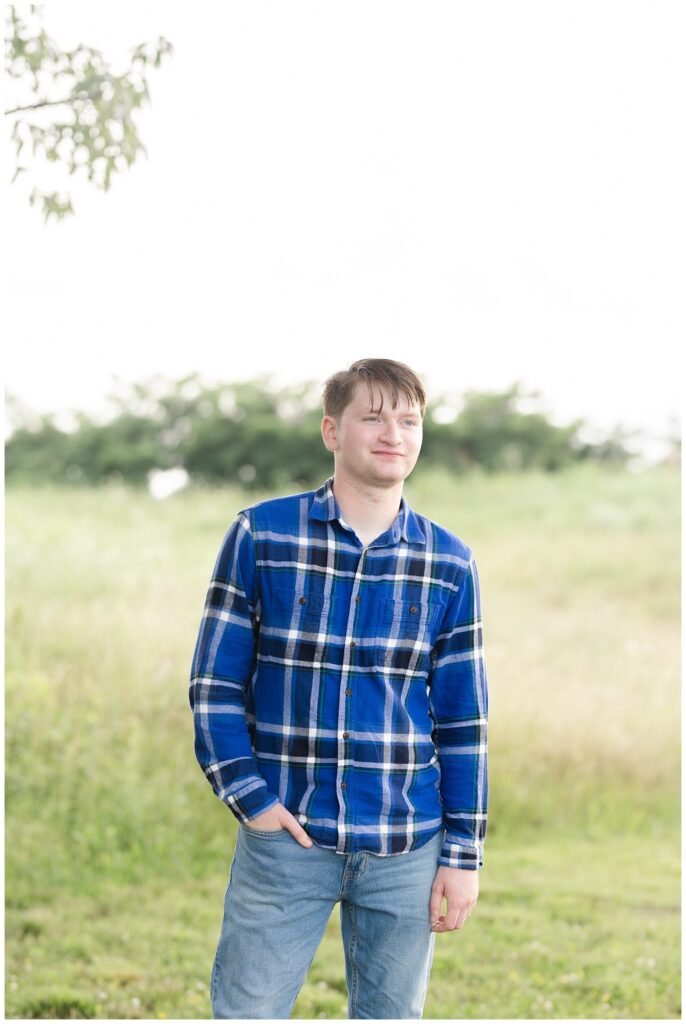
x: 390, y: 434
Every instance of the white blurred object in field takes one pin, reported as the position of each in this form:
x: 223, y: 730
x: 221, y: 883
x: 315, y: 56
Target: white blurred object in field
x: 164, y: 482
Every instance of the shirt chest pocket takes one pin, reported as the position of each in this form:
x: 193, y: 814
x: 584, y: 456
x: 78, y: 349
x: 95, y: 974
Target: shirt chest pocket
x: 300, y: 609
x: 405, y: 634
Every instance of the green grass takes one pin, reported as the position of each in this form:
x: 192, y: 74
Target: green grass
x: 117, y: 852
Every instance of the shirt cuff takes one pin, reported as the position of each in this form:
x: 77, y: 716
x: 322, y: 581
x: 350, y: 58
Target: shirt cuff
x: 461, y: 855
x: 251, y: 800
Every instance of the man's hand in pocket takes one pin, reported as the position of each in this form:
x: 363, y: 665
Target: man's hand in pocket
x: 276, y: 818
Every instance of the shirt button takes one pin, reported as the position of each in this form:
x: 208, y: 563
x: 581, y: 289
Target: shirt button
x: 344, y: 785
x: 413, y: 608
x: 357, y: 599
x: 348, y: 693
x: 345, y: 735
x: 352, y: 643
x: 302, y: 600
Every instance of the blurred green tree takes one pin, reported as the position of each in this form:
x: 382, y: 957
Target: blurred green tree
x: 71, y: 107
x: 251, y: 434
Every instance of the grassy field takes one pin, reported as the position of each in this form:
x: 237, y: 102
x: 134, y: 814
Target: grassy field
x: 117, y: 851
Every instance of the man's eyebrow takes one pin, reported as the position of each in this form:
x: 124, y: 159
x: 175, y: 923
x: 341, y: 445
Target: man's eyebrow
x: 380, y: 409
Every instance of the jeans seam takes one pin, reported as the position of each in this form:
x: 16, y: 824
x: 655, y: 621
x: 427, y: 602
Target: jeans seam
x: 213, y: 983
x: 351, y: 947
x: 307, y: 970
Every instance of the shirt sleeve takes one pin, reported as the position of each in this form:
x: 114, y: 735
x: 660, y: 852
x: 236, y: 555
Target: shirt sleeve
x: 223, y: 664
x: 458, y: 699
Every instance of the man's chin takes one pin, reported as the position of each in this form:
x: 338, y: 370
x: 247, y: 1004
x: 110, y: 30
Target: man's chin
x: 385, y: 476
x: 392, y: 476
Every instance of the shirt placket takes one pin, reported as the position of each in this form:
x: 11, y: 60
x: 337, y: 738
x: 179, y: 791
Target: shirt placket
x: 346, y: 734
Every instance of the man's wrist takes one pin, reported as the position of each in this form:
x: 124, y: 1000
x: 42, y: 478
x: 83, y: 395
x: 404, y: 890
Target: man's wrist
x: 252, y: 801
x: 450, y: 867
x: 460, y: 855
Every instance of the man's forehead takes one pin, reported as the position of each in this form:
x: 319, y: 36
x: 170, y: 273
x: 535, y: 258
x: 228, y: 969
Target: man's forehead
x: 377, y: 396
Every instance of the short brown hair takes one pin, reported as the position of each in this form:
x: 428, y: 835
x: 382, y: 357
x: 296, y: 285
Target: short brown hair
x: 396, y: 377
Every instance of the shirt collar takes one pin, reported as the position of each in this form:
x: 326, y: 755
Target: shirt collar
x: 406, y: 525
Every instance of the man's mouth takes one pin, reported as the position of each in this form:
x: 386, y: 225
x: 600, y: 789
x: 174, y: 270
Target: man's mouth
x: 396, y: 455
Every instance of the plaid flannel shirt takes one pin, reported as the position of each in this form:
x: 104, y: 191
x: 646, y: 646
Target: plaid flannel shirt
x: 346, y: 681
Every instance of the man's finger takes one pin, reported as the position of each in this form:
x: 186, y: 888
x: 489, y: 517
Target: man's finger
x: 435, y: 904
x: 451, y: 919
x: 461, y: 918
x: 299, y: 833
x: 458, y: 914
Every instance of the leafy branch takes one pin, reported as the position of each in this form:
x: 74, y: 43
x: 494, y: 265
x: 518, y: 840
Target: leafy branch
x: 92, y: 125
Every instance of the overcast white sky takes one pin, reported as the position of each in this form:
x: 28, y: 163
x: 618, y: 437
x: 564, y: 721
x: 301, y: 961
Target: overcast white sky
x: 489, y: 192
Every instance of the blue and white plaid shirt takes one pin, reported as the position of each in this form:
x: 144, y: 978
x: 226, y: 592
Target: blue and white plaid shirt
x: 346, y: 681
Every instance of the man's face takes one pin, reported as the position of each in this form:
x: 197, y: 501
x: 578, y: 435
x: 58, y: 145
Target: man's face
x: 373, y: 445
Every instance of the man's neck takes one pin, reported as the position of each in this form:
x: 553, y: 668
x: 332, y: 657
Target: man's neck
x: 369, y: 510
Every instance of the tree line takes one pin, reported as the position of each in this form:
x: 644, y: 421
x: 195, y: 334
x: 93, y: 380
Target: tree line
x: 258, y: 436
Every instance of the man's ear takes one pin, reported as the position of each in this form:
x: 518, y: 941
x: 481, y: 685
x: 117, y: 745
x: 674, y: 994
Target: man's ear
x: 330, y: 433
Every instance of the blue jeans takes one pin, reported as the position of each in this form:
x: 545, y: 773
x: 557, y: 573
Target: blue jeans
x: 278, y: 901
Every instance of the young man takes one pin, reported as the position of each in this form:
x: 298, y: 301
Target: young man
x: 340, y: 703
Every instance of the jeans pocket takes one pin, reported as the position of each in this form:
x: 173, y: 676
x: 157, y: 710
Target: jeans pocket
x: 264, y: 833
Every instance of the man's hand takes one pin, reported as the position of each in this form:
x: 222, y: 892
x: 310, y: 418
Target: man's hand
x: 277, y: 817
x: 460, y: 886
